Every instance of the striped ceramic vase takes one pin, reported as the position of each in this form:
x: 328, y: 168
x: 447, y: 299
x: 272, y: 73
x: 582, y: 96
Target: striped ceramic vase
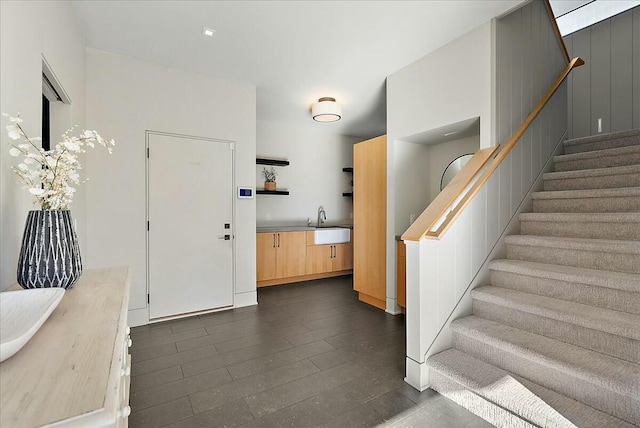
x: 50, y: 256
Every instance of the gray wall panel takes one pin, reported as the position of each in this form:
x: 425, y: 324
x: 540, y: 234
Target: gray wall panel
x: 529, y: 59
x: 621, y: 72
x: 582, y: 85
x: 636, y: 67
x: 527, y: 42
x: 504, y: 85
x: 538, y: 66
x: 601, y: 76
x: 516, y: 72
x: 608, y: 85
x: 568, y: 41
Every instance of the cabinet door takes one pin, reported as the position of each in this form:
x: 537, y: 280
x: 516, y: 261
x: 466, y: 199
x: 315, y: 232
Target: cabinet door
x: 370, y: 217
x: 291, y: 254
x: 266, y: 256
x: 343, y: 257
x: 319, y: 259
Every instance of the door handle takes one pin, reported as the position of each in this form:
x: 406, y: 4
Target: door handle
x: 225, y: 237
x: 278, y: 240
x: 274, y: 240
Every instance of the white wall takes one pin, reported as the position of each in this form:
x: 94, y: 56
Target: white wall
x: 441, y: 155
x: 29, y: 31
x: 412, y: 182
x: 450, y: 85
x: 314, y: 177
x: 440, y: 272
x: 419, y: 170
x: 126, y: 97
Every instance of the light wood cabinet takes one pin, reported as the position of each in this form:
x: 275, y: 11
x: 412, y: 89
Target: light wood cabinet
x: 291, y: 254
x: 266, y: 256
x: 370, y: 220
x: 284, y: 257
x: 319, y: 259
x: 75, y: 371
x: 280, y: 255
x: 329, y: 258
x: 343, y: 257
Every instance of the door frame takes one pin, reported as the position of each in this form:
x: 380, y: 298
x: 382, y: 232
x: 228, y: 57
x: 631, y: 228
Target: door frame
x: 148, y: 134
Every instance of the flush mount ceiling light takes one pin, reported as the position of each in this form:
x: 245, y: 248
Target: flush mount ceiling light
x: 326, y: 110
x: 208, y: 32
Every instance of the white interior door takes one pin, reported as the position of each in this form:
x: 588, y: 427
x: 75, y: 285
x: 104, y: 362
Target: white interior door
x: 190, y: 197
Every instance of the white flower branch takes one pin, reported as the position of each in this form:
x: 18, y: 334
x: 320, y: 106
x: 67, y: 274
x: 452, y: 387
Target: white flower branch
x: 47, y: 174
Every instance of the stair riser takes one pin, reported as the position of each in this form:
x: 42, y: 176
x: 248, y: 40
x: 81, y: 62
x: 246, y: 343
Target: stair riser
x: 594, y: 230
x: 601, y: 162
x: 607, y: 298
x: 476, y: 404
x: 602, y: 145
x: 606, y: 343
x: 601, y: 260
x: 597, y: 182
x: 594, y: 395
x: 587, y: 205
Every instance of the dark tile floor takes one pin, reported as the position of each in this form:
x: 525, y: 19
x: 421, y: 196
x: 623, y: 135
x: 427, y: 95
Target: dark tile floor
x: 309, y: 355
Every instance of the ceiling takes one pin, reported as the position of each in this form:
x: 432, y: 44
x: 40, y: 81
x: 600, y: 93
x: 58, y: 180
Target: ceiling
x: 294, y: 52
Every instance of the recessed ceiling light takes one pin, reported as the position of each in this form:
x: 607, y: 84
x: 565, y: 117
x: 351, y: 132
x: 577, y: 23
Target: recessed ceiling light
x: 208, y: 32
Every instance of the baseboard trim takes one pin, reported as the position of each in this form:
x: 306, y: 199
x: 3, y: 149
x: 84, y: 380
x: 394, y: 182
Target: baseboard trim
x: 249, y: 298
x: 279, y: 281
x: 138, y: 317
x: 417, y: 374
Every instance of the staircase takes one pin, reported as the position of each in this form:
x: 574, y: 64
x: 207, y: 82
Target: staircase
x: 554, y: 341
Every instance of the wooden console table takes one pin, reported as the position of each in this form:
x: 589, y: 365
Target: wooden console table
x: 75, y: 371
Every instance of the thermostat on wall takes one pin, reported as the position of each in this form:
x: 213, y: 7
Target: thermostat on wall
x: 245, y: 192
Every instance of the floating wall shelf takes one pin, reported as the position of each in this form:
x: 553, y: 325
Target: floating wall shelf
x: 272, y: 192
x: 274, y: 162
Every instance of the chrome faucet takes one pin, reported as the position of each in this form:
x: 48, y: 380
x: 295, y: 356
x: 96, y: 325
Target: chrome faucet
x: 322, y: 216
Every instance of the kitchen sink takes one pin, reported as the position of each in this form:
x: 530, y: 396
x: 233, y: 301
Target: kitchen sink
x: 331, y: 235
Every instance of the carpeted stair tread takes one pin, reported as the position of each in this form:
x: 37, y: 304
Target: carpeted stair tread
x: 616, y: 199
x: 602, y: 141
x: 603, y: 137
x: 618, y: 151
x: 531, y: 402
x: 597, y: 178
x: 619, y: 226
x: 631, y: 217
x: 608, y: 373
x: 588, y: 193
x: 598, y: 278
x: 604, y: 254
x: 619, y: 156
x: 607, y: 245
x: 606, y: 320
x: 596, y: 172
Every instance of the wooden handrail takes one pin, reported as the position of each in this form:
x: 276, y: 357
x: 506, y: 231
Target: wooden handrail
x: 442, y: 203
x: 439, y: 206
x: 557, y: 30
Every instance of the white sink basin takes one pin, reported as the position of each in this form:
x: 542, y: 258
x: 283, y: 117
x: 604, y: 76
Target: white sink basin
x: 22, y: 313
x: 331, y: 235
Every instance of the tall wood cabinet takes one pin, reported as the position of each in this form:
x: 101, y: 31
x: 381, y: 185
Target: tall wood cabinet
x: 370, y: 220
